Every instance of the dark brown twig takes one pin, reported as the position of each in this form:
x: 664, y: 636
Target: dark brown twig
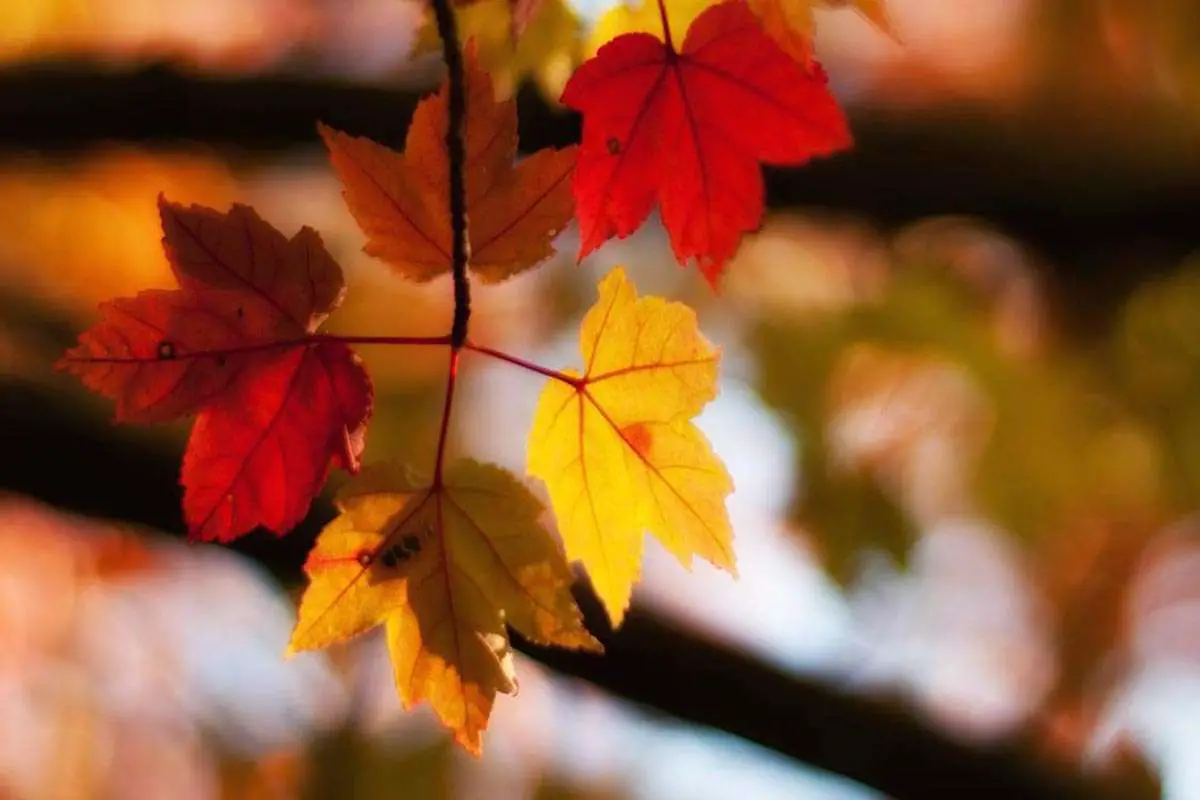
x: 456, y: 114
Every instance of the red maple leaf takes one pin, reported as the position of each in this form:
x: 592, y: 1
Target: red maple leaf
x: 689, y: 128
x: 236, y: 344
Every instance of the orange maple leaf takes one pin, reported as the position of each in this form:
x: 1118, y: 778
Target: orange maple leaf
x: 617, y: 448
x: 444, y: 565
x: 236, y: 345
x: 400, y: 199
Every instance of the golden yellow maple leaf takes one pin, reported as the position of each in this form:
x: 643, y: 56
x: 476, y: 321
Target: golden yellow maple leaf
x: 443, y: 565
x: 644, y: 18
x: 618, y: 451
x: 400, y: 200
x: 547, y: 48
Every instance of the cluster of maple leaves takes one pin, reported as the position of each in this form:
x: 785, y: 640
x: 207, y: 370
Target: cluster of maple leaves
x: 447, y: 555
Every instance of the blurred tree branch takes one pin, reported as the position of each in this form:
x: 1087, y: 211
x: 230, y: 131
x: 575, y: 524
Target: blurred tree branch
x: 63, y: 452
x: 1108, y: 195
x: 92, y: 468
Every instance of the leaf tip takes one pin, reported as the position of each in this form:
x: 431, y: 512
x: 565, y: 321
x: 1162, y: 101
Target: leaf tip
x: 326, y: 132
x: 590, y: 644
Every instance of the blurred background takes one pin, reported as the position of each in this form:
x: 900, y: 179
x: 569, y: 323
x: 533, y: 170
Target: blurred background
x: 958, y: 402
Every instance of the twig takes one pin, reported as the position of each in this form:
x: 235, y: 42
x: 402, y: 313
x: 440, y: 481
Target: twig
x: 456, y: 114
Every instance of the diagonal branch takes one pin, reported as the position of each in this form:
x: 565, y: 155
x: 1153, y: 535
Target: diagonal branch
x: 1124, y: 194
x: 648, y: 662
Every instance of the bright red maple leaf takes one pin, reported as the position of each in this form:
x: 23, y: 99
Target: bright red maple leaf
x: 689, y: 128
x: 236, y: 344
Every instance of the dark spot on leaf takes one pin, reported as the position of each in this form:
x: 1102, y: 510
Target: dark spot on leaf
x: 363, y: 558
x: 389, y: 557
x: 639, y: 436
x: 614, y: 145
x: 166, y: 350
x: 411, y: 544
x: 241, y: 312
x: 220, y: 361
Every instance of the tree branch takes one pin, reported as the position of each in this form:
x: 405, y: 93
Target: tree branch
x: 1108, y: 209
x: 648, y: 662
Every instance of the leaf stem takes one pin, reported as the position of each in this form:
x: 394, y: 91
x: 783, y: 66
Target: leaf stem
x: 444, y: 431
x: 456, y: 112
x: 387, y: 340
x: 666, y: 26
x: 528, y: 365
x: 168, y: 352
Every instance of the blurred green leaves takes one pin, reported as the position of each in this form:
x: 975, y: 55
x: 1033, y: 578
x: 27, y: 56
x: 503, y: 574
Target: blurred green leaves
x: 1157, y: 363
x: 910, y: 408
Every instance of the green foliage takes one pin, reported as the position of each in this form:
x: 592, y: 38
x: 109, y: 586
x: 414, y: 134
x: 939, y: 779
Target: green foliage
x: 1044, y: 440
x: 1157, y: 361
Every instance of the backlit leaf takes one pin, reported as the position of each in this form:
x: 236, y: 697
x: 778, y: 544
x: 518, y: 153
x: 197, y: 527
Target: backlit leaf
x: 400, y: 200
x: 235, y: 344
x: 675, y: 127
x: 618, y: 451
x: 444, y: 567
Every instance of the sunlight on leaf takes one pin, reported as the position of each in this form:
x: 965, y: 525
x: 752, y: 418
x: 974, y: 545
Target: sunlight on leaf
x: 400, y: 199
x: 642, y: 18
x: 668, y: 126
x: 444, y: 567
x: 618, y: 450
x: 232, y: 344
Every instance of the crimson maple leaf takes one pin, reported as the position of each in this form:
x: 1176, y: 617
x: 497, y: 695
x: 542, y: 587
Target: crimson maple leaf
x: 236, y: 344
x: 689, y: 128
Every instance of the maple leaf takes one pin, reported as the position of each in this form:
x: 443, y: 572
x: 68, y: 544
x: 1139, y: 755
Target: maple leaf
x: 617, y: 448
x: 400, y: 199
x: 689, y: 128
x: 443, y: 565
x: 235, y: 345
x: 791, y: 24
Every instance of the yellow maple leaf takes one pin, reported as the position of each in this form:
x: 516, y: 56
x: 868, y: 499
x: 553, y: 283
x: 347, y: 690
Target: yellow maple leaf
x: 400, y: 200
x: 443, y: 566
x: 547, y: 48
x: 644, y: 18
x: 617, y: 449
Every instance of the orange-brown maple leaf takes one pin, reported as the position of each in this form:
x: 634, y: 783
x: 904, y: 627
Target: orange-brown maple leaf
x: 445, y: 565
x: 400, y: 200
x: 688, y: 128
x: 236, y: 345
